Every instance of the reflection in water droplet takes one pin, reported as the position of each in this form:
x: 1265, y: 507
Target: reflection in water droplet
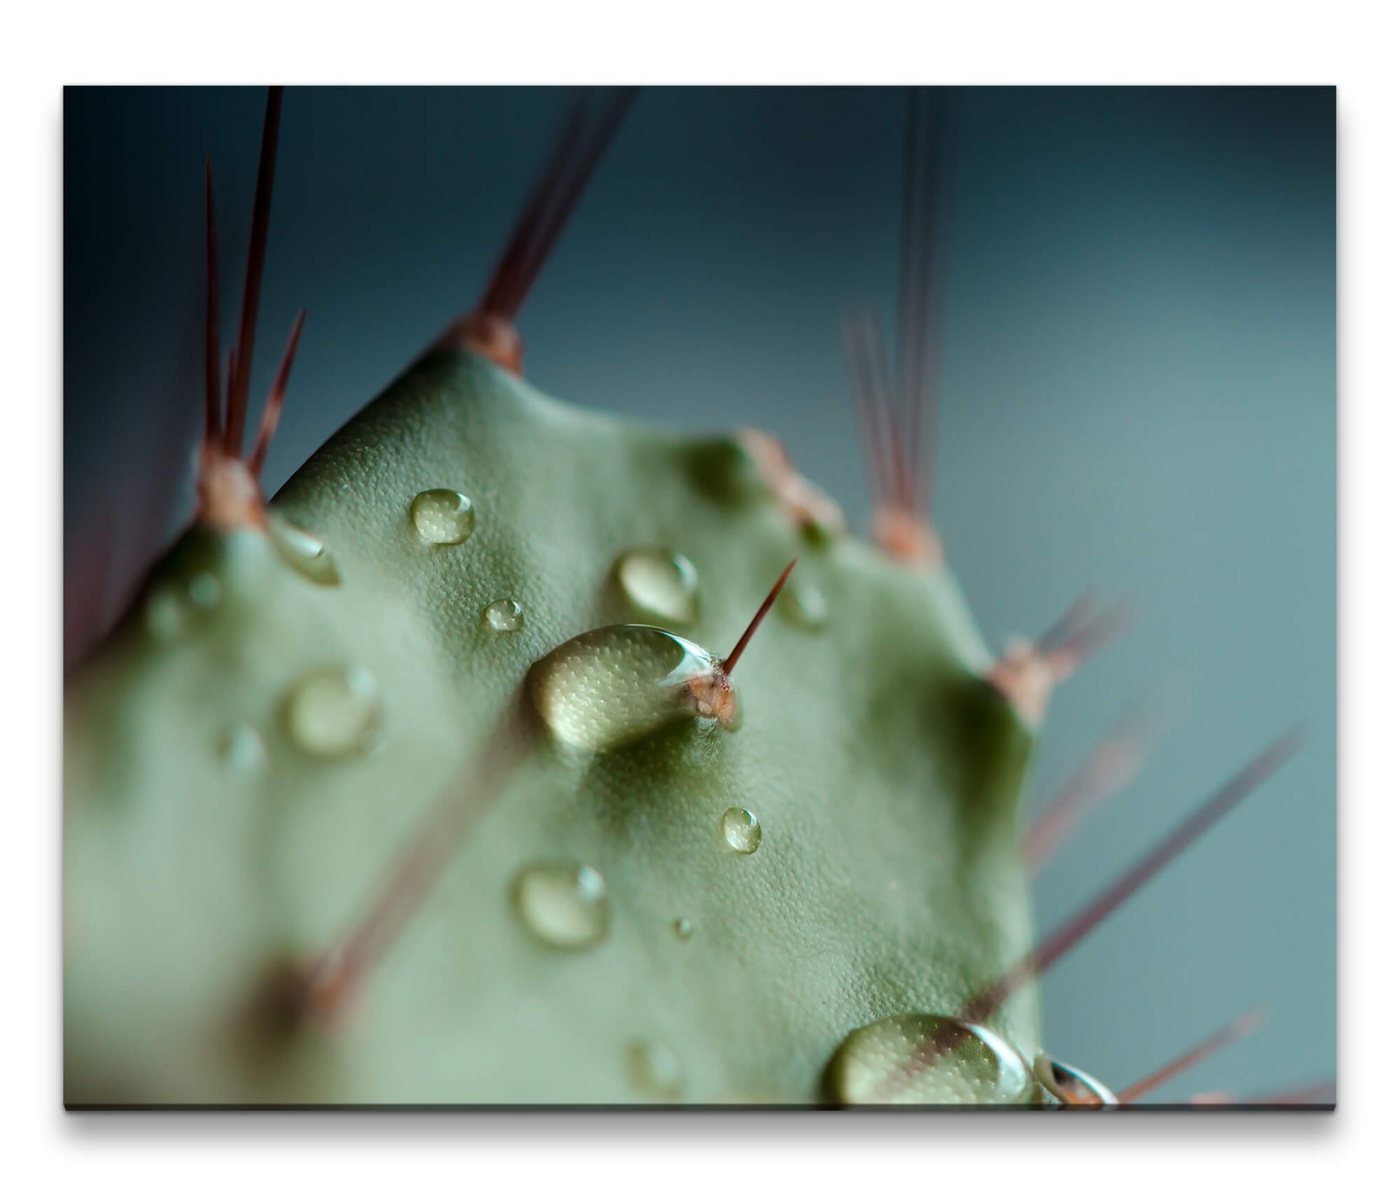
x: 241, y: 749
x: 654, y: 1069
x: 802, y: 604
x: 613, y: 685
x: 204, y: 591
x: 661, y: 583
x: 927, y: 1059
x: 682, y: 928
x: 741, y: 830
x: 302, y: 551
x: 503, y: 615
x: 442, y: 516
x: 334, y: 711
x: 562, y: 904
x: 1066, y: 1086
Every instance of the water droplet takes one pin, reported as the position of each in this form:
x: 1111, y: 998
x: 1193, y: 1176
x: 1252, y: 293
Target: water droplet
x: 654, y: 1069
x: 165, y: 614
x: 802, y: 604
x: 503, y: 615
x: 204, y: 591
x: 613, y: 685
x: 241, y: 749
x: 926, y: 1059
x: 302, y: 551
x: 563, y: 904
x: 334, y: 711
x: 741, y: 830
x: 1066, y: 1086
x: 661, y: 583
x: 442, y: 516
x: 683, y: 928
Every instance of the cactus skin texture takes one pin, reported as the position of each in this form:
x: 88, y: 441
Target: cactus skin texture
x: 885, y: 772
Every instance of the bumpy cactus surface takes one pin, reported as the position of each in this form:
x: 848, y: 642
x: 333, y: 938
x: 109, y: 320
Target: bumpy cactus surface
x: 402, y: 790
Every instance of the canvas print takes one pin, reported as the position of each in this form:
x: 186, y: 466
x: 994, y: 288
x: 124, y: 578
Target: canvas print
x: 699, y: 597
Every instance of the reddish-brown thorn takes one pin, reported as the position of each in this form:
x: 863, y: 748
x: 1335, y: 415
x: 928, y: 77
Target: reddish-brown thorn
x: 252, y: 281
x: 727, y: 665
x: 554, y: 197
x: 1088, y: 638
x: 326, y: 985
x: 856, y: 335
x: 1114, y: 762
x: 1241, y: 1026
x: 1074, y: 617
x: 272, y: 410
x: 1064, y: 939
x: 211, y: 316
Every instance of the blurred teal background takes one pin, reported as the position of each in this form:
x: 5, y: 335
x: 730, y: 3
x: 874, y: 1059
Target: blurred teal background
x: 1138, y: 396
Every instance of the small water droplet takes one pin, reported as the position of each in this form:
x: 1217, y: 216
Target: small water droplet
x: 302, y: 551
x: 503, y: 615
x: 612, y: 685
x: 204, y: 591
x: 334, y: 712
x: 442, y: 516
x: 683, y: 928
x: 1065, y: 1086
x: 654, y: 1069
x: 741, y: 830
x: 241, y: 749
x: 165, y: 614
x: 661, y: 583
x: 927, y: 1059
x: 564, y: 905
x: 802, y: 604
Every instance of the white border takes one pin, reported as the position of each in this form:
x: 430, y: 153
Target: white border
x: 870, y: 42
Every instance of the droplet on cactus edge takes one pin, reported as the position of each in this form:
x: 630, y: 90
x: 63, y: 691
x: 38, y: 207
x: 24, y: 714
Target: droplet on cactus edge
x: 661, y: 583
x: 442, y: 517
x: 1065, y: 1086
x: 241, y: 749
x: 334, y: 712
x: 927, y: 1059
x: 803, y: 605
x: 612, y: 685
x: 741, y: 830
x: 204, y: 591
x: 503, y: 615
x: 302, y: 551
x: 165, y: 614
x: 564, y: 905
x: 683, y: 928
x: 654, y: 1069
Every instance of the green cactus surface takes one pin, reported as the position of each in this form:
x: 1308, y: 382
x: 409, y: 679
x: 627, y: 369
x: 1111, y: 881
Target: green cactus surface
x: 251, y: 751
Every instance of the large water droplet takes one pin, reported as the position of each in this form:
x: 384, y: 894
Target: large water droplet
x: 1066, y: 1086
x: 802, y: 604
x: 683, y: 928
x: 661, y: 583
x: 741, y: 830
x: 503, y: 615
x: 654, y: 1069
x: 334, y: 711
x: 927, y: 1059
x: 616, y: 684
x: 241, y: 749
x: 442, y: 516
x: 562, y: 904
x: 302, y: 551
